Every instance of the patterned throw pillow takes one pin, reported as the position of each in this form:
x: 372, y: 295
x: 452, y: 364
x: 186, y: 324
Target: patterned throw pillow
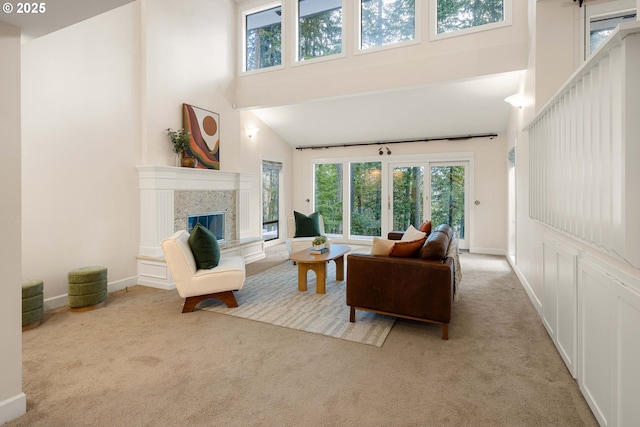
x: 204, y: 246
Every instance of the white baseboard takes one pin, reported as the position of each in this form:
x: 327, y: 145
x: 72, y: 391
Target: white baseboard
x: 488, y: 251
x: 156, y: 283
x: 62, y: 300
x: 12, y: 408
x: 537, y: 304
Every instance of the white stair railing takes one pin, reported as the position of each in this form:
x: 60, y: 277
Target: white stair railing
x: 585, y: 151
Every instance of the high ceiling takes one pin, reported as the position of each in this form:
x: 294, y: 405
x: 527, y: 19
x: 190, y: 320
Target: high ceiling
x: 58, y: 14
x: 455, y: 108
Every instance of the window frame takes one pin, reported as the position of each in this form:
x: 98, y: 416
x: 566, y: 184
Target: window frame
x: 433, y: 22
x: 357, y: 26
x: 243, y: 36
x: 604, y: 10
x: 296, y: 38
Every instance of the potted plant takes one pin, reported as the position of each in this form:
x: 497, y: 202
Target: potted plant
x: 319, y: 242
x: 180, y: 140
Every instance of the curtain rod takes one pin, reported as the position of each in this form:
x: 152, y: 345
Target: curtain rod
x: 358, y: 144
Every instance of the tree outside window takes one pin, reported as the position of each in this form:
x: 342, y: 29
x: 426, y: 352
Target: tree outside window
x: 264, y: 39
x: 328, y: 196
x: 456, y: 15
x: 386, y: 22
x: 319, y: 28
x: 366, y: 199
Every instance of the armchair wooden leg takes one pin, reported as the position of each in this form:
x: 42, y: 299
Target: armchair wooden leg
x: 352, y: 314
x: 445, y: 331
x: 226, y: 297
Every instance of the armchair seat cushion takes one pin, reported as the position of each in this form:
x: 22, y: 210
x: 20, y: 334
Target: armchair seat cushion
x: 197, y: 284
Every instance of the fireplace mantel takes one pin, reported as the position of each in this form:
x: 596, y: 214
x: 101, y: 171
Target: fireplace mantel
x: 178, y: 178
x: 157, y: 186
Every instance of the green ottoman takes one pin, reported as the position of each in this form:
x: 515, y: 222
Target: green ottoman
x: 32, y: 303
x: 87, y: 288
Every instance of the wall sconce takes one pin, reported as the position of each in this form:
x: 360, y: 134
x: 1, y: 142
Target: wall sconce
x: 380, y: 152
x: 518, y: 100
x: 251, y: 132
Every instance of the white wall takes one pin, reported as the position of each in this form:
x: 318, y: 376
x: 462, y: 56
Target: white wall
x: 489, y: 226
x: 97, y: 99
x: 12, y: 400
x: 81, y: 133
x: 267, y: 145
x: 488, y: 52
x: 188, y: 58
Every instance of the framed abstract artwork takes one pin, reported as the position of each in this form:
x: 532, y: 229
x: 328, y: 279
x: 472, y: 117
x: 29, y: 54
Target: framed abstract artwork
x: 204, y: 127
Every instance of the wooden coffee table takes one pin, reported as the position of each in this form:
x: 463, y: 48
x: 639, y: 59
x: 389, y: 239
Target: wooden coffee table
x: 307, y: 261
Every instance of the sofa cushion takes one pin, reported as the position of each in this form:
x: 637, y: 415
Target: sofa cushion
x: 413, y: 234
x: 407, y: 248
x: 446, y: 228
x: 435, y: 246
x: 381, y: 246
x: 307, y: 226
x: 204, y: 246
x: 425, y: 227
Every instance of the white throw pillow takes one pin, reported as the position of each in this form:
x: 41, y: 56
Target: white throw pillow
x: 381, y: 246
x: 413, y: 234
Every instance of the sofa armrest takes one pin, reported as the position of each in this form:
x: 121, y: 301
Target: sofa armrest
x: 395, y: 235
x: 407, y: 286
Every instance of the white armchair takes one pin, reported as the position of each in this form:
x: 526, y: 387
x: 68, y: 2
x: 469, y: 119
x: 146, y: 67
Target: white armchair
x: 198, y: 285
x: 295, y: 244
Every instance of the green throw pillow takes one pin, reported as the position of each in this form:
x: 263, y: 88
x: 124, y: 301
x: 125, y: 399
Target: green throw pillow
x: 307, y: 226
x: 204, y: 246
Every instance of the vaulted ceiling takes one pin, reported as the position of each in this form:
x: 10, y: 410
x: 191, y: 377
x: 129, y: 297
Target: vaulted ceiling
x: 445, y: 109
x: 58, y: 14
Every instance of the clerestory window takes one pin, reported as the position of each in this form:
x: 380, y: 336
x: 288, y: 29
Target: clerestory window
x: 602, y: 26
x: 263, y: 38
x: 386, y: 22
x: 319, y: 28
x: 457, y: 17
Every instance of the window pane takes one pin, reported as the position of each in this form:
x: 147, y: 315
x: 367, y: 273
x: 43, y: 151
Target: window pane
x: 270, y: 200
x: 264, y: 39
x: 600, y: 28
x: 319, y: 28
x: 328, y: 196
x: 460, y: 14
x: 386, y: 21
x: 408, y: 193
x: 447, y: 197
x: 366, y: 204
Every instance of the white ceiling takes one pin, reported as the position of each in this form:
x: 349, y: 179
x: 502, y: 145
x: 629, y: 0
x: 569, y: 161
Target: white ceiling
x: 458, y: 108
x: 57, y: 15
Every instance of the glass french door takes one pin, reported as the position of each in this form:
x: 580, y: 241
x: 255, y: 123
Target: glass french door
x: 430, y: 190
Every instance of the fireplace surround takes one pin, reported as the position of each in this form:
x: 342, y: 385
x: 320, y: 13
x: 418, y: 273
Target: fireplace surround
x: 169, y: 194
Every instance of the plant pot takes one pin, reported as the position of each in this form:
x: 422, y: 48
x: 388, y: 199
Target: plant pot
x: 189, y: 162
x: 318, y: 247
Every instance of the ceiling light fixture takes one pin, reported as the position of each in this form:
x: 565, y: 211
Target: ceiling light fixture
x: 518, y: 100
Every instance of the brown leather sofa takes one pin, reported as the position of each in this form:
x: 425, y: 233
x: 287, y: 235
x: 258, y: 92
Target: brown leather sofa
x: 418, y: 287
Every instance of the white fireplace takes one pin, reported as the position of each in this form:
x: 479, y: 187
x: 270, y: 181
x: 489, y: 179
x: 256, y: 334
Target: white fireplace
x: 169, y: 194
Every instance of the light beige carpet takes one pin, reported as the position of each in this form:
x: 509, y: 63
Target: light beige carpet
x: 273, y: 297
x: 139, y: 361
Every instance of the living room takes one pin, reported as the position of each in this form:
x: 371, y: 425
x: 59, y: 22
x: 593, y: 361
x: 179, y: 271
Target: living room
x: 96, y: 98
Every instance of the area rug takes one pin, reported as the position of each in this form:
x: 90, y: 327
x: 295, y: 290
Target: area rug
x: 273, y: 297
